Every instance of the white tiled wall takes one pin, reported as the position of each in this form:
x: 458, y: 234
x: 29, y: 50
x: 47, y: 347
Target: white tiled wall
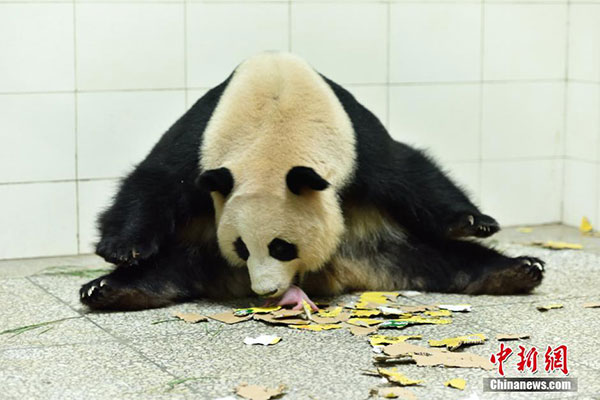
x: 582, y: 146
x: 505, y: 93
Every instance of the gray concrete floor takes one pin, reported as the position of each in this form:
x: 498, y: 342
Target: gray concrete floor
x: 128, y: 355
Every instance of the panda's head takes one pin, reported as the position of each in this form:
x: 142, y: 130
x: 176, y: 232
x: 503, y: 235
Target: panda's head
x: 289, y: 226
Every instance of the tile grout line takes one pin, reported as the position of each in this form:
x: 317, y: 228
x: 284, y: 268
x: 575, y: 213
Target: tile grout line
x: 289, y: 27
x: 388, y: 66
x: 185, y: 55
x: 481, y: 100
x: 117, y: 338
x: 76, y: 98
x: 73, y: 180
x: 366, y: 84
x: 460, y: 161
x: 565, y: 108
x: 598, y: 167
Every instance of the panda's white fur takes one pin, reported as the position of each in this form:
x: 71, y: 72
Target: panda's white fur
x: 275, y: 114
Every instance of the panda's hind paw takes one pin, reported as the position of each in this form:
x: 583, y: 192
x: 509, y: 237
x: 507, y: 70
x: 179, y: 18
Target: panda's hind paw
x: 97, y: 293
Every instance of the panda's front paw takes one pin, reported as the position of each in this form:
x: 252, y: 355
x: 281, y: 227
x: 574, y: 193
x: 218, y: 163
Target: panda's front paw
x: 472, y: 224
x: 124, y: 252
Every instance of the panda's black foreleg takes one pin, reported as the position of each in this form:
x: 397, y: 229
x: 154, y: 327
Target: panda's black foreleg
x: 457, y: 266
x: 150, y: 205
x: 160, y: 193
x: 178, y: 273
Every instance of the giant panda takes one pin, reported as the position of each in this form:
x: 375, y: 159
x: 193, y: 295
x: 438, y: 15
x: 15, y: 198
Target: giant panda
x: 279, y: 183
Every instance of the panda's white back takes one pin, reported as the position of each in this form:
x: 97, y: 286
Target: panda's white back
x: 277, y: 112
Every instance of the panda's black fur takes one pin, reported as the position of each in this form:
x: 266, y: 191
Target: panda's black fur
x: 160, y: 229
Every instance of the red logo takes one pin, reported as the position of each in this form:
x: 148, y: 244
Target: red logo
x: 555, y: 359
x: 500, y: 357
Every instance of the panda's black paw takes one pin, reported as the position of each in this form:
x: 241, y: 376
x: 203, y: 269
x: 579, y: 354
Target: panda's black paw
x: 530, y: 269
x: 471, y: 224
x: 123, y: 252
x: 98, y: 293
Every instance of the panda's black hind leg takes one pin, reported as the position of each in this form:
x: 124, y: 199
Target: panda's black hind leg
x: 129, y: 288
x: 463, y: 266
x: 177, y: 273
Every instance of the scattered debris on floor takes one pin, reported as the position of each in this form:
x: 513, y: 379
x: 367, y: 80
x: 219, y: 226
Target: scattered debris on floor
x: 392, y: 375
x: 425, y: 356
x: 587, y: 229
x: 556, y: 245
x: 512, y: 336
x: 190, y: 318
x: 257, y: 392
x: 585, y: 226
x: 456, y: 383
x: 548, y: 307
x: 457, y: 342
x: 265, y: 340
x: 591, y: 305
x: 455, y: 307
x: 228, y: 317
x: 369, y: 316
x: 394, y: 392
x: 525, y: 229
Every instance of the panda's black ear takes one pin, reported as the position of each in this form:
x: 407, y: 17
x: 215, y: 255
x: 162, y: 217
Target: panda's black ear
x: 216, y: 180
x: 304, y: 177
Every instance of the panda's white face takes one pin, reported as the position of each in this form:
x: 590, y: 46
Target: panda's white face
x: 278, y: 237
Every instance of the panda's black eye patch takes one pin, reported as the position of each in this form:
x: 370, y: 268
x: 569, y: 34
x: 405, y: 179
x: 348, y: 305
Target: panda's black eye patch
x: 282, y: 250
x: 241, y: 249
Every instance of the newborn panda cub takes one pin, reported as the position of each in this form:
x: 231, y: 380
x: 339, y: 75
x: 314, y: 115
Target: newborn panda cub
x: 277, y: 182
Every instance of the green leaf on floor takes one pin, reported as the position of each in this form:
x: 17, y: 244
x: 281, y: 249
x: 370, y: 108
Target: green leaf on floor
x: 22, y: 329
x: 69, y: 270
x: 172, y: 384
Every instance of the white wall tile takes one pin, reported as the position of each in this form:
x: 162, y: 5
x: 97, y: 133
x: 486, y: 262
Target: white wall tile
x: 38, y: 220
x: 94, y: 197
x: 37, y: 136
x: 374, y: 98
x: 112, y: 141
x: 524, y: 41
x: 584, y: 42
x: 522, y: 120
x: 522, y: 192
x: 580, y: 192
x: 435, y: 42
x: 467, y: 176
x: 130, y: 46
x: 442, y: 118
x: 36, y: 47
x: 221, y: 35
x: 346, y: 43
x: 583, y: 121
